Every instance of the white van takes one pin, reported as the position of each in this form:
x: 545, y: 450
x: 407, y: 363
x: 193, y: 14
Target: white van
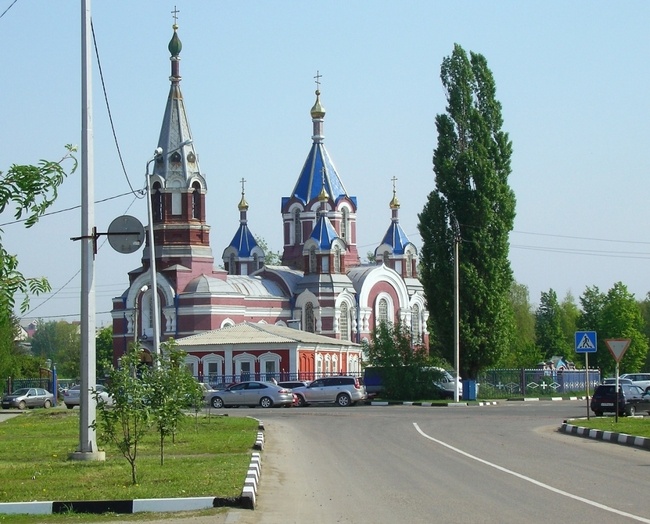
x: 449, y: 382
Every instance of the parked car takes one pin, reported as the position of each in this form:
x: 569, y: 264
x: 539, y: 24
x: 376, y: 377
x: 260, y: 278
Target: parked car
x: 252, y: 393
x: 638, y: 379
x: 28, y: 398
x: 612, y: 380
x: 72, y: 396
x: 631, y: 400
x: 290, y: 384
x: 340, y: 390
x: 448, y: 382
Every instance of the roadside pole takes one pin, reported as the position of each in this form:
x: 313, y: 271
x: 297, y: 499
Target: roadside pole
x: 586, y: 342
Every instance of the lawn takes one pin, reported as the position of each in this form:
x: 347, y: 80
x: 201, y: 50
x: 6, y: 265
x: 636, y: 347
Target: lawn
x: 639, y: 427
x: 210, y: 457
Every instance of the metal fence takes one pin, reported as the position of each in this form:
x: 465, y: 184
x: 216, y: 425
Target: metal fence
x: 509, y: 383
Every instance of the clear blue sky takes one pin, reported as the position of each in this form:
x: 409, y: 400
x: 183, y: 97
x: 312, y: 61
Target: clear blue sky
x: 573, y: 79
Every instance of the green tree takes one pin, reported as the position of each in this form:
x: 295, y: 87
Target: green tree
x: 592, y: 302
x: 570, y: 318
x: 29, y: 191
x: 271, y: 258
x: 644, y: 308
x: 60, y: 342
x: 621, y: 318
x: 9, y: 354
x: 549, y: 335
x: 523, y: 352
x: 405, y: 370
x: 473, y: 200
x: 615, y: 314
x: 130, y: 416
x: 173, y: 390
x: 104, y: 349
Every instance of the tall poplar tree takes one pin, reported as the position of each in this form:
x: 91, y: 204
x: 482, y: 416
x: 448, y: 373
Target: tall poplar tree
x: 471, y: 199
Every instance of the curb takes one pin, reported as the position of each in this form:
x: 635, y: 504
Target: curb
x: 607, y: 436
x: 247, y: 500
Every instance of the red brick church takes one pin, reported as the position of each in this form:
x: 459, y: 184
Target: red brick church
x: 321, y: 289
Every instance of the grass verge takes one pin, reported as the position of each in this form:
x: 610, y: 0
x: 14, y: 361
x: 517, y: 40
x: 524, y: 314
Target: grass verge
x: 639, y: 427
x: 209, y: 457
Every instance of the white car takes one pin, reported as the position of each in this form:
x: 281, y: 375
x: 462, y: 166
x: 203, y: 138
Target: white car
x: 639, y: 379
x: 71, y: 397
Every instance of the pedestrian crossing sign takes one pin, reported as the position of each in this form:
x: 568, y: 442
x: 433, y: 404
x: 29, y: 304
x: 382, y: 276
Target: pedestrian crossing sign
x: 586, y: 341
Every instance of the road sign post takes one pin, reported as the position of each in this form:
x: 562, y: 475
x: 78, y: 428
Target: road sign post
x: 586, y: 342
x: 617, y: 347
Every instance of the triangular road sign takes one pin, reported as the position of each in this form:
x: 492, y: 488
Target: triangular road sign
x: 617, y: 347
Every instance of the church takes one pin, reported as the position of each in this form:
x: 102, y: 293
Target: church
x: 244, y: 318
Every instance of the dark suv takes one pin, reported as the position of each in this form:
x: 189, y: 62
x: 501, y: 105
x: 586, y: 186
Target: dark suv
x: 343, y: 391
x: 630, y: 400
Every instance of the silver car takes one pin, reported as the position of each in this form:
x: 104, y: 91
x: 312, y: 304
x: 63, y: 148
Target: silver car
x: 72, y: 396
x: 28, y: 398
x: 343, y: 391
x: 252, y: 393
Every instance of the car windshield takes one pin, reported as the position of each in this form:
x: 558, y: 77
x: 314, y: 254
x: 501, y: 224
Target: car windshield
x: 21, y: 391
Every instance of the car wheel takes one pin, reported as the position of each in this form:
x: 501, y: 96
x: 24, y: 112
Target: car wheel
x: 47, y: 404
x: 343, y: 400
x: 69, y: 406
x: 217, y: 402
x: 630, y: 411
x: 21, y: 404
x: 598, y: 413
x: 266, y: 402
x: 301, y: 403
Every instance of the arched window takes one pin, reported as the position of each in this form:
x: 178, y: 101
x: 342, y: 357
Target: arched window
x: 297, y: 233
x: 337, y: 259
x: 196, y: 200
x: 409, y: 264
x: 416, y: 336
x: 312, y: 260
x: 231, y: 268
x: 344, y: 223
x: 382, y: 311
x: 385, y: 258
x: 310, y: 325
x: 256, y: 262
x: 344, y: 321
x: 157, y: 202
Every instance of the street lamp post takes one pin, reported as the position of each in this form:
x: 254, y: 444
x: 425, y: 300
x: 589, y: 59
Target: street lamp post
x: 152, y: 258
x: 152, y: 248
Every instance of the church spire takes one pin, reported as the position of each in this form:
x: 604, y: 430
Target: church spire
x: 178, y: 158
x: 243, y: 255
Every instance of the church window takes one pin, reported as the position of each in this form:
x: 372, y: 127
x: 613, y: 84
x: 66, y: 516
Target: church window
x: 312, y: 260
x: 382, y: 311
x: 385, y: 257
x: 231, y: 268
x: 175, y: 157
x: 409, y: 264
x: 297, y: 236
x: 415, y: 325
x: 325, y: 264
x: 344, y: 321
x: 344, y: 224
x: 337, y: 259
x: 196, y: 200
x: 157, y: 202
x: 256, y: 262
x: 310, y: 325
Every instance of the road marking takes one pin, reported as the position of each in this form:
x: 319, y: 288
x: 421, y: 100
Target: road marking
x: 531, y: 480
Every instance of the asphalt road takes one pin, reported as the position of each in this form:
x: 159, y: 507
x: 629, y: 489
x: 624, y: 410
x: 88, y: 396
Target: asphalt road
x: 494, y: 464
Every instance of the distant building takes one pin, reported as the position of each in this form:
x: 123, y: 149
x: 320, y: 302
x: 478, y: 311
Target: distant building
x: 320, y: 288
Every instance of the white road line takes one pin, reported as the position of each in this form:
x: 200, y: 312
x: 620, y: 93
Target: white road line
x: 532, y: 481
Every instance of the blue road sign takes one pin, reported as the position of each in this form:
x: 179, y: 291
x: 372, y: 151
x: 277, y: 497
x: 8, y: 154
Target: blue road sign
x: 586, y: 341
